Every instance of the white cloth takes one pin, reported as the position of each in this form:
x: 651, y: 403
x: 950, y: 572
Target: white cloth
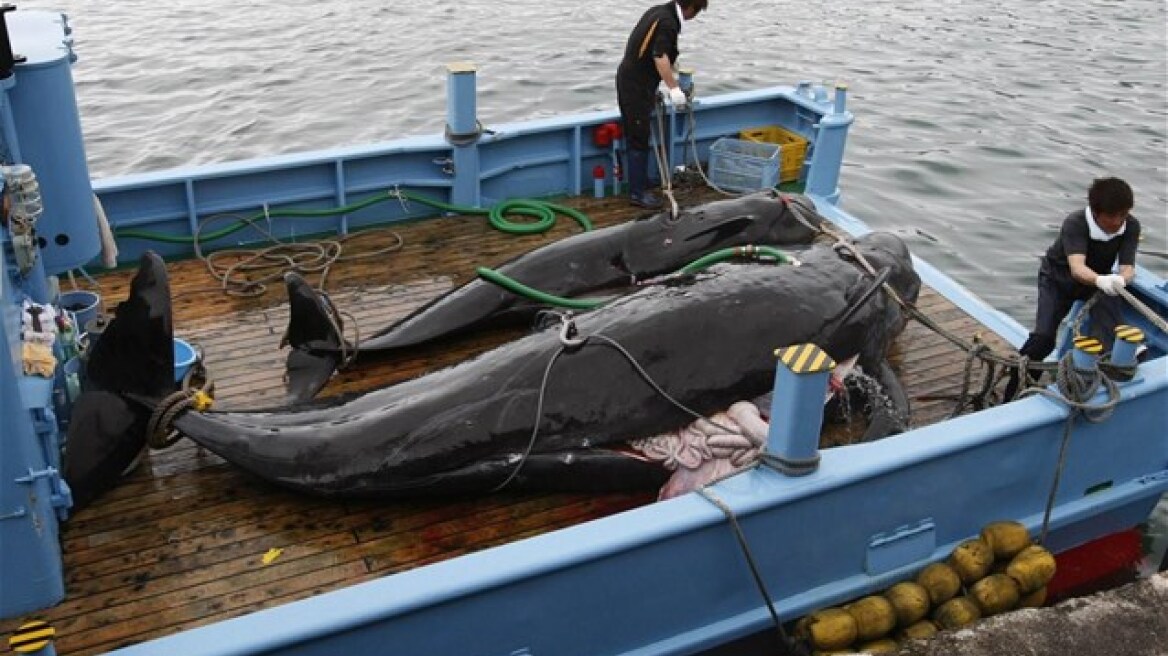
x: 1098, y: 233
x: 680, y: 17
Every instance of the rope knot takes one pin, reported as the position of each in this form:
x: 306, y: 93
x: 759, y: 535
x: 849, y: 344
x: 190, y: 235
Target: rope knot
x: 160, y: 432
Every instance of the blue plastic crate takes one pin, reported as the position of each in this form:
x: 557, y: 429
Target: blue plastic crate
x: 738, y: 165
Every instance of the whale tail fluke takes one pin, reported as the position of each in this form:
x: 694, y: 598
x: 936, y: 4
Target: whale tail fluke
x: 315, y: 335
x: 133, y: 357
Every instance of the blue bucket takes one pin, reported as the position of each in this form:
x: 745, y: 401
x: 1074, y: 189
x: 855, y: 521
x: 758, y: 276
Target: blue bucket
x: 83, y: 304
x: 184, y: 357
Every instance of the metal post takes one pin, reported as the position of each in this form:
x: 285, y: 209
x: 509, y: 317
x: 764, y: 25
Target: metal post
x: 1127, y: 344
x: 462, y: 133
x: 686, y: 84
x: 34, y: 637
x: 824, y: 173
x: 841, y: 99
x: 1086, y: 354
x: 801, y: 378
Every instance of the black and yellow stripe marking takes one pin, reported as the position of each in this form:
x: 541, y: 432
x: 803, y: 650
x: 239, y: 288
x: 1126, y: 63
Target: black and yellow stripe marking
x: 805, y: 358
x: 1129, y: 334
x: 1089, y: 345
x: 648, y: 39
x: 31, y: 637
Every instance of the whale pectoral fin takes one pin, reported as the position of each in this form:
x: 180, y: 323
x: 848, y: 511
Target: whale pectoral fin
x: 314, y: 334
x: 890, y: 410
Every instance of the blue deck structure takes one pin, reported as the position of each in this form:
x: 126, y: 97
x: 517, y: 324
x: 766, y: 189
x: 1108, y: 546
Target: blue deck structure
x: 667, y: 578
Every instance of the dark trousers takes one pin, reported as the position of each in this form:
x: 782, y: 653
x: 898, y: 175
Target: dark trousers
x: 636, y: 107
x: 1056, y: 296
x: 1057, y: 293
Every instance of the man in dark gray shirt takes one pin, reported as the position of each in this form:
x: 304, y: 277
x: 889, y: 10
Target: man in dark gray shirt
x: 1079, y: 263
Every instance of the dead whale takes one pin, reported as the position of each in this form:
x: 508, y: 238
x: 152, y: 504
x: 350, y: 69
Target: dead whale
x: 555, y: 410
x: 582, y: 264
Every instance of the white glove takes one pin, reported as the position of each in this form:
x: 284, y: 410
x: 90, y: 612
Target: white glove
x: 1110, y: 284
x: 677, y: 97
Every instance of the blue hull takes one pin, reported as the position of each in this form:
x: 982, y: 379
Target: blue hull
x: 668, y: 578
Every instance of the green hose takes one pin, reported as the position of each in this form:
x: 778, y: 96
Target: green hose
x: 543, y: 211
x: 521, y: 289
x: 750, y: 252
x: 512, y: 285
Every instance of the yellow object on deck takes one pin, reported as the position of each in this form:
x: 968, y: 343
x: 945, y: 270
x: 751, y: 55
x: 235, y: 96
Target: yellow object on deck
x: 792, y: 148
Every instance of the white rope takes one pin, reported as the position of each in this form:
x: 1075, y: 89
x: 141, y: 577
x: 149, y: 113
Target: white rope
x: 662, y: 155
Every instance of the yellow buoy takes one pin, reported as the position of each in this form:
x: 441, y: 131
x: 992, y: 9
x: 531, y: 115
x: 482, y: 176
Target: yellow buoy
x: 881, y: 646
x: 1035, y: 599
x: 956, y: 613
x: 1006, y: 538
x: 972, y: 560
x: 910, y: 600
x: 875, y: 617
x: 941, y: 581
x: 996, y: 593
x: 1032, y: 568
x: 828, y: 629
x: 921, y: 630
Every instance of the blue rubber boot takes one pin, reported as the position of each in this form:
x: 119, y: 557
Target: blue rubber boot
x: 638, y: 161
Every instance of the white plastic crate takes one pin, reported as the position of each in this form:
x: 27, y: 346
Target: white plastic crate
x: 738, y: 165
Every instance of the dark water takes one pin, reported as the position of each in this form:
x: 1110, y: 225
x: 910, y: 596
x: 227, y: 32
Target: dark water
x: 979, y: 125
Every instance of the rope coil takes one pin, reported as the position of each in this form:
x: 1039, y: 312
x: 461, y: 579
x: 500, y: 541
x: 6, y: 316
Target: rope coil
x: 160, y: 433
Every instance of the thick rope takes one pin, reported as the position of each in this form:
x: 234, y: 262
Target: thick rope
x: 160, y: 433
x: 306, y: 258
x: 785, y: 646
x: 1075, y: 388
x: 1144, y: 310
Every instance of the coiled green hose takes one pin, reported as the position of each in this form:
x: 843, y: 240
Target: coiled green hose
x: 544, y: 212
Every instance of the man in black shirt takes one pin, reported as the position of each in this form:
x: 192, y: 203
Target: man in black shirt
x: 1080, y: 262
x: 649, y: 57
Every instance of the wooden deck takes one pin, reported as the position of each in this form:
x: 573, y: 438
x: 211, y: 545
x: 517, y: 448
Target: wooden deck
x: 182, y: 541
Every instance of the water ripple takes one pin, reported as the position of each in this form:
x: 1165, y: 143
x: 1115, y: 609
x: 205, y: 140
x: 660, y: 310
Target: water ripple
x: 978, y: 125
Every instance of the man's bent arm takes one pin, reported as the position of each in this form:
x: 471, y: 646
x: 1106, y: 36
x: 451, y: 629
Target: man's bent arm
x: 665, y: 70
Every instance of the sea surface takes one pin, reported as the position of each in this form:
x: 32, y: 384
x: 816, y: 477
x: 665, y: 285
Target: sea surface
x: 979, y: 125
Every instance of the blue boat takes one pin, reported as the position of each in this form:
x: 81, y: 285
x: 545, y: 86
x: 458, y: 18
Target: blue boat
x: 681, y: 576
